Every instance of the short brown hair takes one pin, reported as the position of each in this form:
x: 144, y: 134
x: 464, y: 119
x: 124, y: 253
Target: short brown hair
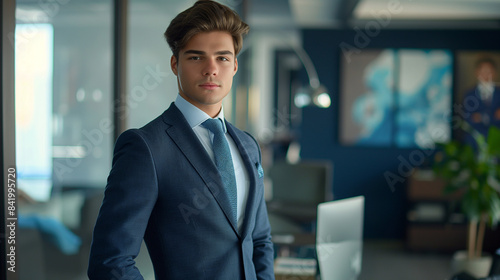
x: 205, y: 16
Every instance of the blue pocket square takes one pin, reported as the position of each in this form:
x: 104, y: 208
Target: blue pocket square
x: 259, y: 170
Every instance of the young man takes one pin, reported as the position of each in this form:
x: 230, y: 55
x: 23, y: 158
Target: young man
x: 189, y: 183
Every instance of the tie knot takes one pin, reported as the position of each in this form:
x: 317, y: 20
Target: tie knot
x: 214, y: 125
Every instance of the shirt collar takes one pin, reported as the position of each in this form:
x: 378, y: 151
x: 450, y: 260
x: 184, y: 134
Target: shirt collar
x: 194, y: 115
x: 486, y: 90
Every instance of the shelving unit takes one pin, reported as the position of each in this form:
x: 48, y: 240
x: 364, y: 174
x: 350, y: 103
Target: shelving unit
x: 434, y: 220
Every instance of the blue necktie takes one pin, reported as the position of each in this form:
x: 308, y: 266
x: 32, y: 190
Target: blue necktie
x: 223, y: 161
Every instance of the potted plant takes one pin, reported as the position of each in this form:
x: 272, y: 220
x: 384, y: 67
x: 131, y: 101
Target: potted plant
x: 474, y: 170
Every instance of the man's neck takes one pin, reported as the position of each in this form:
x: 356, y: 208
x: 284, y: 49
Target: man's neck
x: 210, y: 109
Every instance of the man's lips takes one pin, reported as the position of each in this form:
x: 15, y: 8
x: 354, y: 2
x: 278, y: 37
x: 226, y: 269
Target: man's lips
x: 209, y: 86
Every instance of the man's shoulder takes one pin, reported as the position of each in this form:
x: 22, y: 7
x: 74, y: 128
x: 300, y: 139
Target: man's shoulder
x: 153, y: 124
x: 149, y: 131
x: 168, y: 117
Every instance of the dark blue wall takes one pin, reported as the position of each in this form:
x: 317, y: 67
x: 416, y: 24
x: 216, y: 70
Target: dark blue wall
x: 360, y: 170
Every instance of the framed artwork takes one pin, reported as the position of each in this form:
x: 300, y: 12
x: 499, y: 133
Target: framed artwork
x: 477, y: 94
x: 466, y: 68
x: 396, y: 97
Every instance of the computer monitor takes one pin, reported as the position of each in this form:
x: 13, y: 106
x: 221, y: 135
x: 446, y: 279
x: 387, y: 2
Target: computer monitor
x: 297, y: 189
x: 339, y: 238
x: 307, y: 182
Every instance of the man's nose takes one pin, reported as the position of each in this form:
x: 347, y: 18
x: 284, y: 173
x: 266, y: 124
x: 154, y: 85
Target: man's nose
x: 210, y: 68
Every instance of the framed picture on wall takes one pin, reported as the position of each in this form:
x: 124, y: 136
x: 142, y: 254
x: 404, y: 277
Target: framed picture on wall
x: 477, y: 94
x: 396, y: 97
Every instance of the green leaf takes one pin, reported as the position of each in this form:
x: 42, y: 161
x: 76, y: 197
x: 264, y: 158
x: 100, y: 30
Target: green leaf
x: 470, y: 204
x: 494, y: 141
x: 452, y: 188
x: 494, y: 209
x: 452, y: 148
x: 496, y: 170
x: 468, y: 153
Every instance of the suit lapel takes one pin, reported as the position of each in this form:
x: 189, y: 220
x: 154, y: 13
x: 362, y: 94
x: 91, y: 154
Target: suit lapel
x: 187, y: 141
x: 252, y: 175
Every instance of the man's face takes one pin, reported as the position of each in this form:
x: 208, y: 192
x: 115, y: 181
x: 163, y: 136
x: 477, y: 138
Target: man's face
x: 205, y: 70
x: 485, y: 72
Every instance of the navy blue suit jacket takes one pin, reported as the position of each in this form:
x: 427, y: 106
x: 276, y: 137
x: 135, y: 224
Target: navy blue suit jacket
x: 473, y: 104
x: 164, y: 188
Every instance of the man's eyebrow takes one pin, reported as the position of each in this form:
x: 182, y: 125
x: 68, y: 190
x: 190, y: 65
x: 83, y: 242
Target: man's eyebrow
x: 223, y: 52
x: 194, y: 52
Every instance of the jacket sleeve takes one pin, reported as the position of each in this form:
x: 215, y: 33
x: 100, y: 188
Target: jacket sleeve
x: 263, y: 252
x: 129, y: 198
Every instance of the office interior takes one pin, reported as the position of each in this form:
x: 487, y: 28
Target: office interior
x: 76, y: 73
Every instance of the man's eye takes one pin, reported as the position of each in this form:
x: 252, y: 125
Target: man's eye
x: 194, y: 58
x: 223, y: 58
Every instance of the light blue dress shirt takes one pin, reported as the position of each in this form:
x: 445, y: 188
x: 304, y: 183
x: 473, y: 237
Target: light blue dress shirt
x: 195, y: 117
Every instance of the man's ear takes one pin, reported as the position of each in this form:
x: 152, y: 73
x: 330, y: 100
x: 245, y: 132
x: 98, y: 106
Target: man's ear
x: 235, y: 66
x: 173, y: 64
